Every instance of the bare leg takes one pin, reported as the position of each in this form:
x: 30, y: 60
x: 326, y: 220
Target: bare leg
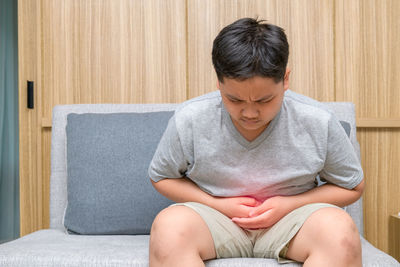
x: 328, y: 237
x: 180, y: 237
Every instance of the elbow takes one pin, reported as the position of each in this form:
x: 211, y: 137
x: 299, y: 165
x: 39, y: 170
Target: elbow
x: 158, y: 185
x: 154, y: 184
x: 360, y: 188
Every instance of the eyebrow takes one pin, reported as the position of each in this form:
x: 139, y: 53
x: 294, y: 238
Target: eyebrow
x: 258, y: 100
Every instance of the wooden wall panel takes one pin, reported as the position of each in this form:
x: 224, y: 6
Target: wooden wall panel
x: 29, y: 147
x: 309, y: 27
x: 380, y: 153
x: 367, y: 58
x: 99, y: 51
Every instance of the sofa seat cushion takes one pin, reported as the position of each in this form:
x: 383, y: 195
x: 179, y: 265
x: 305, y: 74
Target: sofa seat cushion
x: 56, y: 248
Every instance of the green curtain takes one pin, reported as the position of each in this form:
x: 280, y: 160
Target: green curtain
x: 9, y: 156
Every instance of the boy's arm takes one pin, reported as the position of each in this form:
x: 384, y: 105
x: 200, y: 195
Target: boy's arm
x: 273, y: 209
x: 330, y: 193
x: 184, y: 190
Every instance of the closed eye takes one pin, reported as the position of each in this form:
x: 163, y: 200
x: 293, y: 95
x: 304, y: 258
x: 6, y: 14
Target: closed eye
x: 235, y: 100
x: 265, y: 101
x: 262, y: 101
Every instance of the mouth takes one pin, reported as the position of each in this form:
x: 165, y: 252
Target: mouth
x: 250, y: 121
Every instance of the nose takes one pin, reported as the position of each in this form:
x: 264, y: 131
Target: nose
x: 250, y: 112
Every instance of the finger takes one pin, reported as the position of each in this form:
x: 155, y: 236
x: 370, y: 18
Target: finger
x: 258, y: 203
x: 255, y: 221
x: 244, y: 211
x: 259, y: 210
x: 249, y: 201
x: 261, y: 221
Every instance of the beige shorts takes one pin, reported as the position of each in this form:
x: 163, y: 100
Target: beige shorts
x: 232, y: 241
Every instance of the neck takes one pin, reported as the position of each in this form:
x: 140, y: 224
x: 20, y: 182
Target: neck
x: 249, y: 135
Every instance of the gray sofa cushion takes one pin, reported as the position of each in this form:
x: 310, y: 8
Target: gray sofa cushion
x: 55, y: 248
x: 108, y: 155
x: 346, y: 126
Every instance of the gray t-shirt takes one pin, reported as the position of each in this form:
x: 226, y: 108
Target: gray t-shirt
x: 303, y: 140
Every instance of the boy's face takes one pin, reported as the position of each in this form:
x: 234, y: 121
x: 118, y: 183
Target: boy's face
x: 253, y: 103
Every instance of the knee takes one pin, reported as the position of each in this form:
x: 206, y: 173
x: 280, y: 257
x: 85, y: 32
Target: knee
x: 170, y: 232
x: 340, y: 234
x: 348, y: 237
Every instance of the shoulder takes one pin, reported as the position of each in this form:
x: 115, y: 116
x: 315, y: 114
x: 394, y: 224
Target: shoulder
x: 209, y: 97
x: 197, y: 117
x: 305, y: 109
x: 199, y: 109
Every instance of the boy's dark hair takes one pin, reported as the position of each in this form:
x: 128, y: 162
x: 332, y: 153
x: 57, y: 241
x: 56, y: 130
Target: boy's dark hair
x: 248, y: 48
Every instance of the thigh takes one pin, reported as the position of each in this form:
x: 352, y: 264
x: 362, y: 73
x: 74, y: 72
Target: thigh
x: 274, y: 242
x: 230, y: 241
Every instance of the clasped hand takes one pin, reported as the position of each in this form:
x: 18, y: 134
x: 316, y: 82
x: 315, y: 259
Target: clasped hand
x: 250, y: 213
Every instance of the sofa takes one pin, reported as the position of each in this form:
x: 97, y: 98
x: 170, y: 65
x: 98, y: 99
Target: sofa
x: 101, y: 201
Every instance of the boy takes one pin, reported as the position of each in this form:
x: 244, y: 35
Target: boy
x: 241, y: 164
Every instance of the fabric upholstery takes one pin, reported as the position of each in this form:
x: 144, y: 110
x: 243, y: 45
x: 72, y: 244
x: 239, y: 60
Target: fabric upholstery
x: 346, y: 126
x: 55, y: 248
x: 107, y: 160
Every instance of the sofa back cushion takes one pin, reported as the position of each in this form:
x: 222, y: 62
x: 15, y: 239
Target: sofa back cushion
x: 108, y: 155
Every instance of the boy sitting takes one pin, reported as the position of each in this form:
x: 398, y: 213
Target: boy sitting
x: 242, y: 163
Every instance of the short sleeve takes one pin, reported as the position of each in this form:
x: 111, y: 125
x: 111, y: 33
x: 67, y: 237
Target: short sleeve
x: 342, y: 166
x: 168, y: 160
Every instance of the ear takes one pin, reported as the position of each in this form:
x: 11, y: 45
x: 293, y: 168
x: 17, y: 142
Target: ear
x: 286, y: 79
x: 218, y: 84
